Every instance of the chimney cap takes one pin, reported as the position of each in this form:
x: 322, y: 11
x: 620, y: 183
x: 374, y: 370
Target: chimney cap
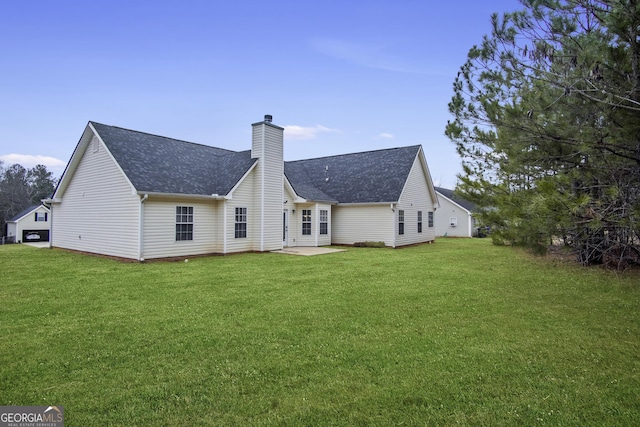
x: 268, y: 118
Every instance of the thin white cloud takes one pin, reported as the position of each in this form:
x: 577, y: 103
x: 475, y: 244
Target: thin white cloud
x: 29, y: 161
x: 366, y: 55
x: 386, y: 136
x: 302, y: 133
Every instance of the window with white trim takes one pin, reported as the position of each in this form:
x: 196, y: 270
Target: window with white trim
x: 453, y: 221
x: 400, y: 222
x: 241, y: 223
x: 184, y: 223
x: 324, y: 221
x: 41, y: 216
x: 419, y: 221
x: 430, y: 219
x: 306, y: 222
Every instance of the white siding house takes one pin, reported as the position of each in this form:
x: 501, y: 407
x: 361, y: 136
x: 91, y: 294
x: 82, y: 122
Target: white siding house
x: 101, y: 210
x: 455, y: 216
x: 31, y: 225
x: 135, y: 195
x: 368, y: 192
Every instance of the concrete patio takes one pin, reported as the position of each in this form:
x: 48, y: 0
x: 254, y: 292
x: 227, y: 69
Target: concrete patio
x: 307, y: 251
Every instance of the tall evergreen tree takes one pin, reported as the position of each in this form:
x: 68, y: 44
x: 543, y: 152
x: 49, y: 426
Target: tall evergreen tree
x: 41, y: 183
x: 14, y: 192
x: 547, y: 121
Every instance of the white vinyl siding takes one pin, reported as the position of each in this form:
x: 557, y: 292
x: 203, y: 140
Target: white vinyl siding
x: 267, y: 147
x: 415, y: 197
x: 323, y: 239
x: 243, y: 197
x: 12, y: 231
x: 451, y: 212
x: 289, y: 206
x: 298, y: 218
x: 296, y: 221
x: 99, y: 212
x: 359, y: 223
x: 159, y: 229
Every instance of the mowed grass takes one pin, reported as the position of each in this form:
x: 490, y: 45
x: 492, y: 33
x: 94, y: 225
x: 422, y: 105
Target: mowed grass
x: 455, y: 333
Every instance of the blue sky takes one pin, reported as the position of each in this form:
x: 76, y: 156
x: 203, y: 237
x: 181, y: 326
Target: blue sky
x: 340, y: 76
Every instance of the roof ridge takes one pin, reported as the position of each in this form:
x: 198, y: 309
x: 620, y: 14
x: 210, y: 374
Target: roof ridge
x: 353, y: 153
x: 164, y: 137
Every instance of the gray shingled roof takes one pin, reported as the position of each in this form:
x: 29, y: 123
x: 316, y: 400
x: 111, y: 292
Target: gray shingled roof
x: 451, y: 194
x: 367, y: 177
x: 157, y: 164
x: 22, y: 213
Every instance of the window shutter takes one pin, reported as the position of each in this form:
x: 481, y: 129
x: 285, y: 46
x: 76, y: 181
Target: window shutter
x: 45, y: 216
x: 36, y: 214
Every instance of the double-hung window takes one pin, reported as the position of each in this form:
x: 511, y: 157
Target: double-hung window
x: 430, y: 219
x: 324, y: 221
x: 41, y: 216
x: 419, y: 221
x: 184, y: 223
x: 306, y: 222
x: 241, y: 223
x: 400, y: 222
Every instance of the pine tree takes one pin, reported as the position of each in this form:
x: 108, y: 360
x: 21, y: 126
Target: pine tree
x: 547, y: 121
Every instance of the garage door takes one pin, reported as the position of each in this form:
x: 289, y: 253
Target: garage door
x: 35, y: 235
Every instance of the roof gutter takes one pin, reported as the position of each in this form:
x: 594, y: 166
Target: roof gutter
x: 146, y: 194
x: 368, y: 203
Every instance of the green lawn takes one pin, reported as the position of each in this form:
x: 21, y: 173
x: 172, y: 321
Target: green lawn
x: 456, y: 333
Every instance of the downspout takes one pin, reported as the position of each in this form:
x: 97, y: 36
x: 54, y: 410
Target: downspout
x: 50, y: 206
x: 263, y: 165
x: 141, y: 229
x: 224, y: 227
x: 51, y: 226
x: 317, y: 227
x: 395, y: 224
x: 49, y: 203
